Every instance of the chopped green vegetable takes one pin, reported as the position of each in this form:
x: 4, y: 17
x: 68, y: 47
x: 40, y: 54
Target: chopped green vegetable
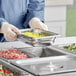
x: 71, y: 47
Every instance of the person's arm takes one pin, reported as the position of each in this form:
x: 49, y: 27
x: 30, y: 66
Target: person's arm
x: 35, y: 15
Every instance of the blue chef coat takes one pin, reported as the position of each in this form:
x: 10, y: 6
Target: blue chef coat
x: 20, y: 12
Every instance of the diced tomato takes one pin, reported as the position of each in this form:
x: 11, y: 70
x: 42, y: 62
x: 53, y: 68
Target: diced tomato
x: 5, y: 71
x: 13, y: 54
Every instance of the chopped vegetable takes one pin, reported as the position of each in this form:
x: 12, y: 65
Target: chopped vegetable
x: 71, y: 47
x: 33, y: 34
x: 4, y: 72
x: 13, y: 54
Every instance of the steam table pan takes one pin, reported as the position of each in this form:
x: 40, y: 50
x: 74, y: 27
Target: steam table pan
x: 23, y: 51
x: 37, y: 37
x: 69, y: 49
x: 12, y: 69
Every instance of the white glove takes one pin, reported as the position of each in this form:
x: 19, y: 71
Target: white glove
x: 35, y: 23
x: 10, y: 32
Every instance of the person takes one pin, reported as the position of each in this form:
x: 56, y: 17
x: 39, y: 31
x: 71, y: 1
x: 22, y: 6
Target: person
x: 20, y: 14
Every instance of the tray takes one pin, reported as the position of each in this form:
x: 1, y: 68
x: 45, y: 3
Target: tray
x: 48, y: 68
x: 46, y: 40
x: 23, y: 50
x: 13, y: 69
x: 67, y: 51
x: 42, y: 54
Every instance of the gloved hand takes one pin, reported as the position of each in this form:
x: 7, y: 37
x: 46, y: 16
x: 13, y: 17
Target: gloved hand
x: 10, y: 32
x: 35, y: 23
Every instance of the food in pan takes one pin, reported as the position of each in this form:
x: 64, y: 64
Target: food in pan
x: 33, y: 34
x: 13, y: 54
x: 71, y: 47
x: 4, y: 72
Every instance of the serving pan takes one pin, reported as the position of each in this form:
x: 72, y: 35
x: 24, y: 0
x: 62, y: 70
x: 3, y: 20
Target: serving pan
x: 67, y: 48
x: 36, y: 37
x: 58, y: 67
x: 24, y: 52
x: 42, y: 54
x: 13, y: 69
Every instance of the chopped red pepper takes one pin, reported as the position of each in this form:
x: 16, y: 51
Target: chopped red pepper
x: 5, y: 71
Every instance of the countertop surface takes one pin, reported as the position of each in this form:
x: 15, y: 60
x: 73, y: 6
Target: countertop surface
x: 15, y: 44
x: 64, y: 40
x: 19, y: 44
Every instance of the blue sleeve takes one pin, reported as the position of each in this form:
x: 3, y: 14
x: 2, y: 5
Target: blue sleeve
x: 35, y: 9
x: 2, y: 20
